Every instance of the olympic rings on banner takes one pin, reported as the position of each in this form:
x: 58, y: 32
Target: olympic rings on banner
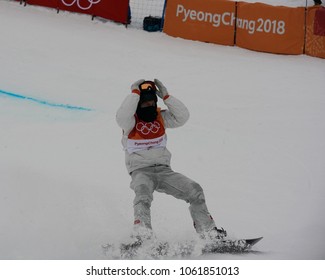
x: 91, y: 3
x: 146, y: 128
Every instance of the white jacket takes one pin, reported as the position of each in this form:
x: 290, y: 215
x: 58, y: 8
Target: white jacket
x: 176, y: 115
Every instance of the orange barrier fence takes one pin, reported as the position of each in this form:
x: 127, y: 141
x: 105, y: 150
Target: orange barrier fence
x: 315, y: 32
x: 255, y: 26
x: 116, y: 10
x: 274, y: 29
x: 208, y: 21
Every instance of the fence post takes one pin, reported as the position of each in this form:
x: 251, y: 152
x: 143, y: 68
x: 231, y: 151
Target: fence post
x: 163, y: 16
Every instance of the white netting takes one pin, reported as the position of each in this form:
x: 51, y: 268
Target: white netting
x: 143, y: 8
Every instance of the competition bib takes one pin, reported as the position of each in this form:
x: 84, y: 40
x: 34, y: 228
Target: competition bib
x: 147, y: 135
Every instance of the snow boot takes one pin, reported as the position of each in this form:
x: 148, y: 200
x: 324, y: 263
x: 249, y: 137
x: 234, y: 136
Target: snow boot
x: 214, y: 234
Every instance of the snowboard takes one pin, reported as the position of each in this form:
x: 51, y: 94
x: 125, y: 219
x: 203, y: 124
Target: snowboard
x: 231, y: 246
x: 154, y: 249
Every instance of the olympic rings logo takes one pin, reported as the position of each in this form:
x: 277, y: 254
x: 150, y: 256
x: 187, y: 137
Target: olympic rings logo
x: 91, y: 3
x: 146, y: 128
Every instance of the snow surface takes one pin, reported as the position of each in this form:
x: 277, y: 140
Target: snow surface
x: 255, y: 139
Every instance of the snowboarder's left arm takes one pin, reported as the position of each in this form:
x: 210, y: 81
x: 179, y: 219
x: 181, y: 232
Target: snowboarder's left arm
x: 177, y: 113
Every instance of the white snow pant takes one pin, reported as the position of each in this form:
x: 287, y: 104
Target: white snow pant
x: 163, y: 179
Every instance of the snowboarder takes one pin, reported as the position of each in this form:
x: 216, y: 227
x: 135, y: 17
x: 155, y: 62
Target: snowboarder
x: 148, y: 160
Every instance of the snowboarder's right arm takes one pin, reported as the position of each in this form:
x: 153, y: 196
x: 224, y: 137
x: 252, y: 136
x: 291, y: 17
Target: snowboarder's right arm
x: 125, y: 114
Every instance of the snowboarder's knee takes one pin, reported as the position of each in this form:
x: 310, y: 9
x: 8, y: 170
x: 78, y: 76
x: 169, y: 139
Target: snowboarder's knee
x: 142, y: 195
x: 196, y: 195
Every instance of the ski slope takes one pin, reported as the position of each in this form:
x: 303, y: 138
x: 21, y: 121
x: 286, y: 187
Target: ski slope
x: 254, y: 141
